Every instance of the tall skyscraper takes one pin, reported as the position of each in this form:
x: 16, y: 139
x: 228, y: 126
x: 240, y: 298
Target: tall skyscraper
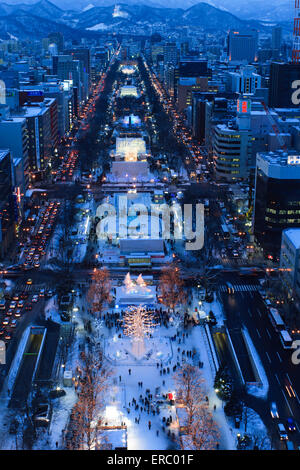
x: 276, y: 38
x: 170, y: 53
x: 7, y: 219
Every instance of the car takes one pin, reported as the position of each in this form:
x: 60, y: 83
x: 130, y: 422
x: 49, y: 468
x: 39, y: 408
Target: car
x: 18, y: 313
x: 13, y: 323
x: 2, y: 304
x: 35, y: 298
x: 26, y: 266
x: 282, y: 432
x: 230, y: 288
x: 13, y: 304
x: 5, y: 321
x: 2, y: 331
x: 10, y: 312
x: 7, y: 336
x: 29, y: 282
x: 24, y: 295
x: 28, y: 306
x: 42, y: 293
x: 16, y: 296
x: 274, y: 410
x: 21, y: 304
x: 291, y: 425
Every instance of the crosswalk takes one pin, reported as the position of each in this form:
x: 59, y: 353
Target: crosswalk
x: 240, y: 288
x: 32, y: 288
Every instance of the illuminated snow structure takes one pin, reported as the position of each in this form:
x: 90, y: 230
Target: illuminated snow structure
x: 129, y: 91
x: 141, y: 343
x: 130, y: 149
x: 128, y: 69
x: 130, y: 121
x: 135, y: 293
x: 129, y: 172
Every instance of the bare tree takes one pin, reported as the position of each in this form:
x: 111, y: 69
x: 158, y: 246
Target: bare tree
x: 99, y: 292
x: 87, y: 414
x: 172, y: 287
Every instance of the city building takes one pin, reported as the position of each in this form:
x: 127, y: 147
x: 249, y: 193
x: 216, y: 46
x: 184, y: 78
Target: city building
x: 277, y: 198
x: 232, y: 145
x: 170, y: 53
x: 245, y: 81
x: 242, y: 46
x: 290, y: 261
x: 7, y: 214
x: 14, y: 135
x: 276, y: 41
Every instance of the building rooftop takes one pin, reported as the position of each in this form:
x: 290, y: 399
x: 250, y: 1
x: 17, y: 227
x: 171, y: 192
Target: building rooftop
x: 279, y: 164
x: 293, y: 234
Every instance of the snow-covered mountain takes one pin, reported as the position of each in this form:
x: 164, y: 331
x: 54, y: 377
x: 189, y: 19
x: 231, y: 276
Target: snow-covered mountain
x: 277, y: 10
x: 36, y: 20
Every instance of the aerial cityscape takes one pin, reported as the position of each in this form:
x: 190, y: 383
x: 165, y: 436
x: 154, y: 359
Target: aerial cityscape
x: 150, y: 226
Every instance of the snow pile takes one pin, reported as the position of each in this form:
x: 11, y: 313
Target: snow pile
x: 257, y: 391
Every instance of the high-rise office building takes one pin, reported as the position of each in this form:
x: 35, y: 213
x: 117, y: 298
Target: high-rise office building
x: 242, y: 46
x: 232, y: 145
x: 14, y: 135
x: 277, y: 198
x: 170, y: 52
x: 276, y: 40
x: 7, y: 218
x: 193, y: 76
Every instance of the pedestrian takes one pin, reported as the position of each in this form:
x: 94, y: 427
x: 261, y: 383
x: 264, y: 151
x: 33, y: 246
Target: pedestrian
x: 149, y: 424
x: 56, y: 444
x: 129, y: 371
x: 120, y: 378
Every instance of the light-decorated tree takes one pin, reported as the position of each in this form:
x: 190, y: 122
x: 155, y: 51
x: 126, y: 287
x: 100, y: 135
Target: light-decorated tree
x: 200, y: 429
x: 87, y: 415
x: 172, y: 287
x: 99, y: 292
x: 138, y: 323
